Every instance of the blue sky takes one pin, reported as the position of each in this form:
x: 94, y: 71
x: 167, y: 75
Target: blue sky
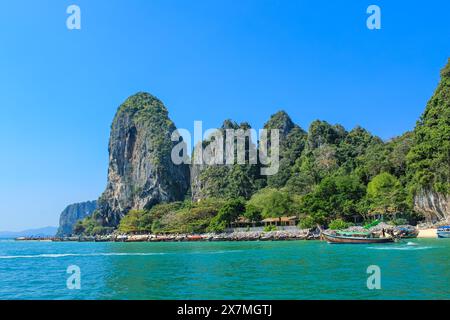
x: 207, y: 60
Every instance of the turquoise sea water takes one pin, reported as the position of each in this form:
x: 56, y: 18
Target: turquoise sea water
x: 225, y: 270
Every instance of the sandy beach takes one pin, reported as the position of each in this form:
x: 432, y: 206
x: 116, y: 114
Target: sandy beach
x: 427, y: 233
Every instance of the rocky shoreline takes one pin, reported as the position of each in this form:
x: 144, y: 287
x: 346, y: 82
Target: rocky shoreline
x: 232, y: 236
x: 421, y: 231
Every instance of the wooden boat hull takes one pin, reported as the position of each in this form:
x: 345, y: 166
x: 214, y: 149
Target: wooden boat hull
x: 355, y: 240
x: 411, y: 236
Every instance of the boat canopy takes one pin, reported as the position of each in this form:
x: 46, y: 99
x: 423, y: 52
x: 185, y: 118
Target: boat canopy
x: 353, y: 233
x: 372, y: 224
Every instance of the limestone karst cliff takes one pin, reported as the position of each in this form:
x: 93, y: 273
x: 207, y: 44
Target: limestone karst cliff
x: 429, y: 158
x: 72, y: 214
x: 433, y: 205
x: 141, y: 172
x: 230, y: 180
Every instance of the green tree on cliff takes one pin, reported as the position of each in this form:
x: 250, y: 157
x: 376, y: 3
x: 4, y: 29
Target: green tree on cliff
x: 385, y: 194
x: 271, y: 203
x: 429, y: 158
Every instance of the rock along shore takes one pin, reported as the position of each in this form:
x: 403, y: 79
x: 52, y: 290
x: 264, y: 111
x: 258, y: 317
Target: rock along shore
x: 233, y: 236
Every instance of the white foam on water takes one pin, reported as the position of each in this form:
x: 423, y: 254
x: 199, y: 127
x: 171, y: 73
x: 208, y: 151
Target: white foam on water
x: 404, y: 248
x: 62, y: 255
x: 100, y: 254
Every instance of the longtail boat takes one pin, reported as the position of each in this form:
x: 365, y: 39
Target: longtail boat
x: 353, y: 237
x: 406, y: 233
x: 443, y: 232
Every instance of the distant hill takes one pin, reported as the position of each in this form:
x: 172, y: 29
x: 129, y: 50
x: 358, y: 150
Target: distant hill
x: 39, y: 232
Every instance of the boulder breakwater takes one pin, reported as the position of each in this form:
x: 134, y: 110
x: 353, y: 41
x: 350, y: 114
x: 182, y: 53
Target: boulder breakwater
x: 231, y: 236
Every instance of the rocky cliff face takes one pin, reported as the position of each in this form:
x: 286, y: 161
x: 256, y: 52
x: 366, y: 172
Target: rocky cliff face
x: 292, y: 143
x: 243, y: 180
x: 141, y: 172
x: 434, y: 206
x: 231, y: 180
x: 73, y: 213
x: 429, y: 157
x: 209, y: 180
x: 198, y: 186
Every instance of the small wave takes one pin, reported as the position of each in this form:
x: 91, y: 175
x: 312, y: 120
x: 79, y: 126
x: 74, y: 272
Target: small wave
x: 408, y: 248
x: 100, y: 254
x: 62, y: 255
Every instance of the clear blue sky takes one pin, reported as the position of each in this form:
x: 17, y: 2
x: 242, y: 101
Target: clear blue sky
x: 207, y: 60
